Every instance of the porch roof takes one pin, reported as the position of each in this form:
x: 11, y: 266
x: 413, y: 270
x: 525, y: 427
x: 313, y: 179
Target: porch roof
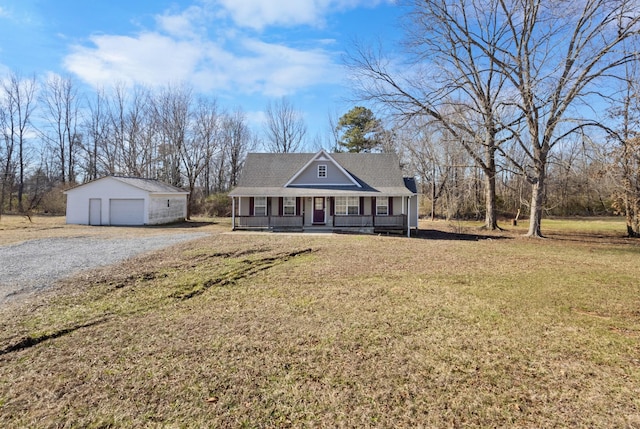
x: 318, y: 192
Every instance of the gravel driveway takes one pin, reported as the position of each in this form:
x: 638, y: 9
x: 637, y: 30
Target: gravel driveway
x: 36, y: 264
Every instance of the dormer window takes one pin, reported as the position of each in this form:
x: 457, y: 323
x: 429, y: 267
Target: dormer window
x: 322, y: 171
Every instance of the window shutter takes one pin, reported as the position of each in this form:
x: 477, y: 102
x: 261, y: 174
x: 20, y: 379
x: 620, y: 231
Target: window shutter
x: 361, y: 205
x: 298, y: 212
x: 251, y: 206
x: 332, y: 206
x: 390, y: 206
x: 280, y: 202
x: 373, y: 206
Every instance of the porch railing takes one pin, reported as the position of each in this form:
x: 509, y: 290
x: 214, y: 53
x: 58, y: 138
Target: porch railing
x: 398, y: 222
x: 286, y: 221
x: 352, y: 221
x: 393, y: 221
x: 368, y: 221
x: 265, y: 222
x: 251, y: 222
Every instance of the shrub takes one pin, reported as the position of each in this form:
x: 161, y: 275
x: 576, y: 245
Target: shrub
x: 218, y: 205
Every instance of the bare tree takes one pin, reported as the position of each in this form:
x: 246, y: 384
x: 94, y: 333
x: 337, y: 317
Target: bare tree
x: 557, y: 57
x: 238, y: 140
x: 284, y: 127
x: 448, y: 79
x: 200, y: 145
x: 539, y: 60
x: 171, y: 111
x: 60, y: 106
x: 129, y: 124
x: 7, y: 174
x: 99, y: 151
x: 625, y: 156
x: 19, y: 95
x: 430, y: 159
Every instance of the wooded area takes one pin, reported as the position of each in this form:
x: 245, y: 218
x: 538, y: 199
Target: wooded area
x: 54, y: 137
x: 497, y: 107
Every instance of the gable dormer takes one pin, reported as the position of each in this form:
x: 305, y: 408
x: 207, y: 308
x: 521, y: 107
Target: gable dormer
x: 322, y: 170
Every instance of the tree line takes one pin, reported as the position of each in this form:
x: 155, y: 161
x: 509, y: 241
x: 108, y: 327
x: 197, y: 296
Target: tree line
x: 495, y: 106
x: 513, y: 83
x: 54, y: 137
x: 583, y: 176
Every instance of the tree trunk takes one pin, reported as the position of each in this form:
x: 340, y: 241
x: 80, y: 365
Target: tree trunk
x: 489, y: 170
x: 631, y: 214
x: 192, y: 187
x: 628, y: 209
x: 490, y: 219
x: 636, y: 220
x: 21, y: 172
x: 537, y: 204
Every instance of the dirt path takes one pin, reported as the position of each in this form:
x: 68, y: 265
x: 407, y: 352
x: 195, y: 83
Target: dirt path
x: 33, y: 265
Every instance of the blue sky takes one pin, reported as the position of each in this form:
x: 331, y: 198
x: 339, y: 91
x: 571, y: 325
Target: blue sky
x: 243, y: 52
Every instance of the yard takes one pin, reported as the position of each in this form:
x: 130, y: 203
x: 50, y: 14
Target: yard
x: 452, y: 329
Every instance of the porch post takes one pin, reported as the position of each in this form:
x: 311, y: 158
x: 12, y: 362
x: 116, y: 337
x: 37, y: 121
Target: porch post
x: 233, y: 213
x: 408, y: 216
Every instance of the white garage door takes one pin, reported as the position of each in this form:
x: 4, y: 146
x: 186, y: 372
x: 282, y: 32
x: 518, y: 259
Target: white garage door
x: 126, y: 212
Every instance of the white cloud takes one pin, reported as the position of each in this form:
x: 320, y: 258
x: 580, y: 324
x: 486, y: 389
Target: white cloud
x: 284, y: 68
x: 150, y: 58
x: 180, y: 50
x: 154, y: 60
x: 258, y: 14
x: 256, y: 118
x: 188, y: 24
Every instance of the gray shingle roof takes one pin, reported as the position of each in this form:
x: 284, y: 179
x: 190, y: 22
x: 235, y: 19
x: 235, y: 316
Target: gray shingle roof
x: 150, y: 185
x: 266, y: 174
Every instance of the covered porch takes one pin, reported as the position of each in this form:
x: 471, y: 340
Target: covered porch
x: 349, y: 223
x: 353, y: 214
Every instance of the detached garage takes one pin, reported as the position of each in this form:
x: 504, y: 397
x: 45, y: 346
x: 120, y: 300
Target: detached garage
x: 116, y: 200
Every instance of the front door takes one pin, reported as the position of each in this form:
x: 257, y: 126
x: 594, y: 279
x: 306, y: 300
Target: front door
x: 318, y: 210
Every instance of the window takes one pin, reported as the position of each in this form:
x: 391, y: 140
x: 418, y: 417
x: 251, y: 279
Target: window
x: 260, y: 206
x: 347, y: 205
x: 322, y: 171
x: 289, y: 206
x: 382, y: 206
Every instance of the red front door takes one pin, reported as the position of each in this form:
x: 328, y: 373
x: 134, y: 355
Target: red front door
x: 318, y: 210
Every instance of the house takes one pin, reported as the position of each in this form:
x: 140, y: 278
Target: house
x: 360, y: 192
x: 115, y: 200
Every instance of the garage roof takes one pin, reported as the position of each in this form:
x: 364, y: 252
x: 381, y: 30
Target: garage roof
x: 150, y: 185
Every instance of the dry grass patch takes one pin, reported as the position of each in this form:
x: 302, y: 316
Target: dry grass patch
x: 16, y: 229
x: 351, y: 331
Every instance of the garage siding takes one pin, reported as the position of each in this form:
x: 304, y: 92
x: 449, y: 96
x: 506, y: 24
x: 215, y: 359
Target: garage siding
x: 167, y: 209
x: 110, y: 201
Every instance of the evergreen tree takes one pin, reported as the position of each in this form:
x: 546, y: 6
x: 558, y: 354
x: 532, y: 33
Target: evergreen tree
x: 359, y: 130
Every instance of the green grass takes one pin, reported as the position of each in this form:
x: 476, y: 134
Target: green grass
x: 594, y: 226
x: 322, y: 331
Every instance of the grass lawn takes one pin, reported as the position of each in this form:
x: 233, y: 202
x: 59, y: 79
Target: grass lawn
x: 278, y: 330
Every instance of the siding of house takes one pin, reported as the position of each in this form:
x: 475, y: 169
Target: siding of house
x: 310, y: 175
